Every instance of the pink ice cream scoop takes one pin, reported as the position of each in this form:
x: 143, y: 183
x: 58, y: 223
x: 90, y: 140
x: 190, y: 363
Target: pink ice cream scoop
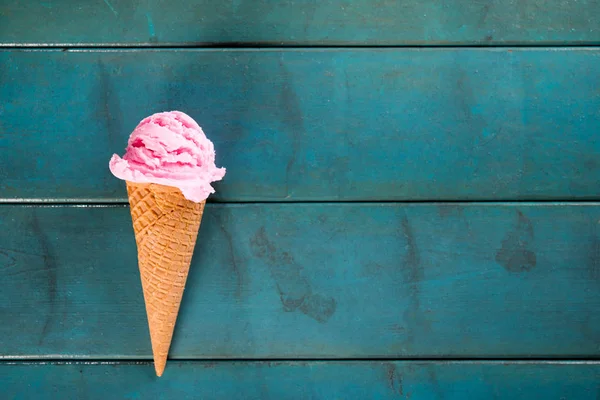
x: 169, y: 148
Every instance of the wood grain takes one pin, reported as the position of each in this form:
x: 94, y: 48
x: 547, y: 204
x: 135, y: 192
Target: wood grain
x: 269, y: 22
x: 314, y: 125
x: 312, y: 280
x: 303, y: 380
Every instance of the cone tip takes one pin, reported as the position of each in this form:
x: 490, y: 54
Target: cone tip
x: 159, y: 368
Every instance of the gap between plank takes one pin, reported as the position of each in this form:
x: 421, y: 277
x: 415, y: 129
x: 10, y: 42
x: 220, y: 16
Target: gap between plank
x: 232, y: 46
x: 145, y: 361
x: 91, y: 203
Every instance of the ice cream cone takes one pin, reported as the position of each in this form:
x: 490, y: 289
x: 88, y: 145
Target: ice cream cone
x: 169, y: 165
x: 166, y: 227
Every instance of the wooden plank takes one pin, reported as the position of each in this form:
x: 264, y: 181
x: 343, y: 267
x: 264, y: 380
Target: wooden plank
x: 387, y: 124
x: 312, y: 280
x: 335, y: 22
x: 305, y: 380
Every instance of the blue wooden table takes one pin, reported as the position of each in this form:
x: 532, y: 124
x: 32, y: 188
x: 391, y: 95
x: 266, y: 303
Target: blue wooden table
x: 411, y: 206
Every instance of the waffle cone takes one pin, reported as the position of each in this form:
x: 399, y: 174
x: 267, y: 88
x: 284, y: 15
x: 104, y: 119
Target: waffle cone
x: 166, y: 227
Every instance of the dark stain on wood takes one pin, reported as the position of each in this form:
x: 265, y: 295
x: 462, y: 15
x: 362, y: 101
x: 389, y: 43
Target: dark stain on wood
x: 4, y: 74
x: 590, y: 327
x: 594, y: 256
x: 50, y: 268
x: 11, y: 261
x: 309, y: 13
x: 294, y: 290
x: 515, y: 254
x: 109, y: 111
x: 292, y: 118
x: 318, y: 307
x: 484, y: 14
x: 326, y: 308
x: 238, y: 268
x: 394, y: 380
x: 462, y: 222
x: 413, y: 258
x: 6, y: 260
x: 591, y: 164
x: 391, y: 371
x: 434, y: 382
x: 292, y: 287
x: 413, y: 274
x: 465, y: 99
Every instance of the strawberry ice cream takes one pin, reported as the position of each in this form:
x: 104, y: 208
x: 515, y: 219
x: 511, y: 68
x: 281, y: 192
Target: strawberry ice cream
x: 170, y: 149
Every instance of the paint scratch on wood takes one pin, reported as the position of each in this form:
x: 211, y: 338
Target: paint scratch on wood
x: 151, y: 30
x: 111, y: 7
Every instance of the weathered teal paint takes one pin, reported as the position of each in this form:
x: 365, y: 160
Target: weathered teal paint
x: 305, y: 380
x: 312, y: 280
x: 287, y: 22
x: 354, y: 124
